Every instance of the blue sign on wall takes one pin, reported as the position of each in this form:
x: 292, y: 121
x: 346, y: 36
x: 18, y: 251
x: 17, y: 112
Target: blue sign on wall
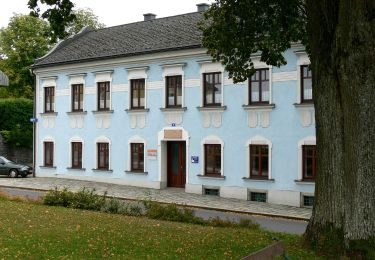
x: 194, y: 159
x: 33, y: 120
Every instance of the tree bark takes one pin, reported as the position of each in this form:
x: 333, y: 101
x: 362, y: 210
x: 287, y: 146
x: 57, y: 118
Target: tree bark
x: 341, y: 36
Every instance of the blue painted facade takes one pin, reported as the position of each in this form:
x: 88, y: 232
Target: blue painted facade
x: 288, y: 127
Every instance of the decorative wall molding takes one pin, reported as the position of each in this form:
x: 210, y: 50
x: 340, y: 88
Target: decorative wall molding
x: 137, y: 119
x: 212, y: 118
x: 49, y: 120
x: 285, y: 76
x: 77, y: 120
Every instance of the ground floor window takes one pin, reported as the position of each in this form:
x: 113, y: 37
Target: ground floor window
x: 137, y: 157
x: 48, y: 153
x: 259, y: 161
x: 308, y: 201
x: 103, y: 156
x: 258, y: 196
x: 77, y: 155
x: 212, y: 159
x: 308, y: 162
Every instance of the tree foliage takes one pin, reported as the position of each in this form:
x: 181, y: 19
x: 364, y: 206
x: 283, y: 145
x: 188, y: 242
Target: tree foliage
x: 59, y: 14
x: 83, y: 17
x: 14, y: 121
x: 236, y: 30
x: 24, y: 40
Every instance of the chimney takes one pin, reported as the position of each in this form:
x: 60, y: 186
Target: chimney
x: 149, y: 17
x: 202, y: 7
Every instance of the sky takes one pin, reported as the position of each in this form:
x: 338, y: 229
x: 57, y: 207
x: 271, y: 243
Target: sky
x: 112, y: 12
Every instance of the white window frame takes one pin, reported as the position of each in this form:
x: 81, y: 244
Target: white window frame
x: 173, y: 70
x: 102, y: 139
x: 258, y: 140
x: 76, y: 139
x: 48, y: 82
x: 259, y: 65
x: 303, y: 59
x: 212, y: 139
x: 49, y: 139
x: 136, y: 139
x: 211, y: 67
x: 137, y: 73
x: 103, y: 76
x: 79, y: 79
x: 310, y: 140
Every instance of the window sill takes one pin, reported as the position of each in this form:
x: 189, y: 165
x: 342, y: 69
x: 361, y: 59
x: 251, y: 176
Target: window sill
x: 47, y: 167
x: 259, y: 106
x: 219, y: 177
x: 102, y: 170
x: 137, y: 110
x: 76, y: 169
x: 136, y: 173
x: 305, y: 182
x: 212, y: 108
x: 173, y: 109
x: 49, y: 114
x: 100, y: 112
x: 258, y: 180
x: 304, y: 105
x: 73, y: 113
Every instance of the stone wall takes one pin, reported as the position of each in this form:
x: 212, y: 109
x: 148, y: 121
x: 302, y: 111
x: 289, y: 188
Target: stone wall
x: 24, y: 155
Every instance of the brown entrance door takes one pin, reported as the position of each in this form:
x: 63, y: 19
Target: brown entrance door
x: 176, y: 160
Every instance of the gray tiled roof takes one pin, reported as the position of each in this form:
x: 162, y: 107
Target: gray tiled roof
x: 169, y: 33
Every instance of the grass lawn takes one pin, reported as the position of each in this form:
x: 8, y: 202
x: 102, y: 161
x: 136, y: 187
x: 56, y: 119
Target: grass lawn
x: 33, y: 231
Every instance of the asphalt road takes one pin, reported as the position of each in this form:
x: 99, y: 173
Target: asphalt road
x: 268, y: 223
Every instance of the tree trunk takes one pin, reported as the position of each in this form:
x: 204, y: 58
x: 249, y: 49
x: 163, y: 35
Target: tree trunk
x: 341, y: 36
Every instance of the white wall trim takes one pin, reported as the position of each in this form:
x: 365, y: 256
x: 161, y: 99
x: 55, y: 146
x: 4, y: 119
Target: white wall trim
x: 173, y: 70
x: 261, y: 141
x: 137, y: 139
x: 212, y: 139
x: 310, y: 140
x: 76, y: 139
x: 103, y: 76
x: 303, y: 59
x: 49, y: 138
x: 137, y: 73
x: 73, y: 80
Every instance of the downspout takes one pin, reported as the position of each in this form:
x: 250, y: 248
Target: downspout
x: 34, y: 123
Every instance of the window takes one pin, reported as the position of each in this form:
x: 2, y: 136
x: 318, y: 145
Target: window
x: 306, y: 84
x: 213, y: 192
x: 137, y: 157
x: 308, y: 162
x: 104, y: 95
x: 49, y: 99
x: 258, y: 196
x: 212, y: 89
x: 77, y: 155
x: 259, y: 87
x: 77, y: 97
x: 48, y: 154
x: 259, y: 161
x: 308, y: 201
x: 103, y: 156
x: 173, y: 91
x: 212, y: 160
x: 137, y: 93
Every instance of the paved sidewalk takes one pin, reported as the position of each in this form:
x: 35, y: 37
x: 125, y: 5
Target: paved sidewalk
x: 169, y: 195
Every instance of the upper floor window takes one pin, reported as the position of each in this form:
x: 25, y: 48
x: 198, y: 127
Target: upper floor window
x: 259, y: 87
x: 103, y: 156
x: 212, y: 89
x: 306, y: 84
x: 212, y: 160
x: 49, y: 99
x: 173, y: 91
x: 48, y: 154
x: 77, y: 155
x: 104, y: 94
x: 137, y: 157
x: 137, y: 93
x: 77, y: 97
x: 308, y: 162
x: 259, y: 161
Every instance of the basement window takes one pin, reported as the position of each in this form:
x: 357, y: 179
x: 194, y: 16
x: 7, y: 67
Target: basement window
x: 258, y: 196
x: 308, y: 201
x: 212, y: 192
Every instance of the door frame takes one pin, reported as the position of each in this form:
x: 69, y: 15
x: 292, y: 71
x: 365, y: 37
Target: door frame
x: 183, y: 143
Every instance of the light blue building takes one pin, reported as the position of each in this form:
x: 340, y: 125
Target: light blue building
x: 142, y: 104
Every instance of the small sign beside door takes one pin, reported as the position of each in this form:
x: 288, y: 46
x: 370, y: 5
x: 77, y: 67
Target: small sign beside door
x: 152, y: 154
x: 194, y: 159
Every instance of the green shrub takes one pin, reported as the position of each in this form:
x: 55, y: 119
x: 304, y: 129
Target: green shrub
x: 114, y: 206
x: 57, y: 197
